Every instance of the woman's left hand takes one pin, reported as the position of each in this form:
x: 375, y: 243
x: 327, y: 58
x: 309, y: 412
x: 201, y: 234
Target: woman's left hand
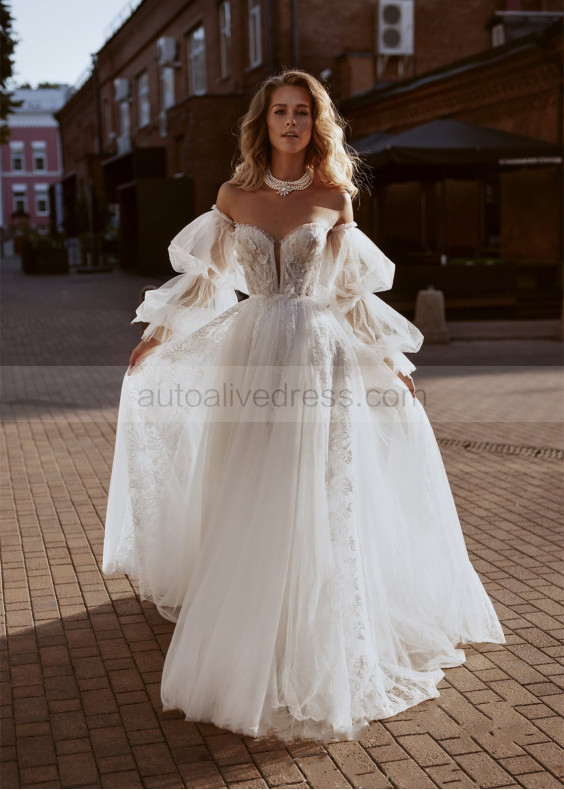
x: 142, y: 348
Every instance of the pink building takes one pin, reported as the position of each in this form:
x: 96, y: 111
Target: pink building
x: 31, y: 159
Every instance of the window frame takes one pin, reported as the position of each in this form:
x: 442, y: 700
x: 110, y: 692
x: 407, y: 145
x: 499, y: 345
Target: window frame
x: 41, y: 193
x: 19, y: 192
x: 195, y: 55
x: 17, y: 152
x: 143, y: 100
x: 255, y: 33
x: 124, y: 112
x: 39, y: 149
x: 224, y: 22
x: 168, y: 88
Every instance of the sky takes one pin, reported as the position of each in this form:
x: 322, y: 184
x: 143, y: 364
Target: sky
x: 57, y: 37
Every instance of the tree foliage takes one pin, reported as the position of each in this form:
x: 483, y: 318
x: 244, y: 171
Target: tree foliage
x: 7, y: 46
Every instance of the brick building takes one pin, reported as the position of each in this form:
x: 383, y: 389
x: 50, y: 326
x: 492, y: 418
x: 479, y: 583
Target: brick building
x: 152, y: 129
x: 154, y: 124
x: 489, y: 234
x: 31, y: 159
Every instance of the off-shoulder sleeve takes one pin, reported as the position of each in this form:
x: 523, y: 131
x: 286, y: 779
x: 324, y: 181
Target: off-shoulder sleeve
x: 203, y: 254
x: 356, y: 268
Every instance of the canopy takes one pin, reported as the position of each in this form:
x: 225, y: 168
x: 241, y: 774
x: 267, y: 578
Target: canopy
x: 450, y: 142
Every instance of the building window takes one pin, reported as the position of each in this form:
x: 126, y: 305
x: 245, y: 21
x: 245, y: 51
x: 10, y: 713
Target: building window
x: 498, y: 35
x: 124, y: 126
x: 225, y: 38
x: 197, y: 62
x: 17, y: 156
x: 143, y: 103
x: 108, y: 120
x: 19, y: 192
x: 39, y: 148
x: 255, y: 33
x: 167, y: 87
x: 41, y: 200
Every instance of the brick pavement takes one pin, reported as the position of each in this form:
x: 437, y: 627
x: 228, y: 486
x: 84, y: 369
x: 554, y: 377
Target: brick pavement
x: 82, y: 657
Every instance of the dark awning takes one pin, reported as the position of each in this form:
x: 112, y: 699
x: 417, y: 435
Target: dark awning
x: 450, y: 142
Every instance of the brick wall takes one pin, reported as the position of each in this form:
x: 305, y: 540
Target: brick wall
x: 530, y: 215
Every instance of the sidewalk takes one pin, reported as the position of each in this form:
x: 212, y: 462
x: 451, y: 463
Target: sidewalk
x: 82, y: 658
x: 504, y: 330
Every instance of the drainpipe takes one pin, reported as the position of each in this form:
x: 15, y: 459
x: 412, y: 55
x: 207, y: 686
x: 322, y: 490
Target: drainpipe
x: 98, y: 108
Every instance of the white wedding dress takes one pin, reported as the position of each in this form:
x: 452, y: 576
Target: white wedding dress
x: 309, y: 549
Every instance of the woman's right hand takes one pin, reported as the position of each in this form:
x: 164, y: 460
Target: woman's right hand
x: 139, y: 351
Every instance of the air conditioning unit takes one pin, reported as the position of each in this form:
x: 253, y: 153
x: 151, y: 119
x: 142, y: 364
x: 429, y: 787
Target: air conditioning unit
x: 166, y: 51
x: 121, y: 89
x: 395, y: 27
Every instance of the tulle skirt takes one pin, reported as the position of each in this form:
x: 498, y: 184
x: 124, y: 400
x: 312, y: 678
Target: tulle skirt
x: 308, y: 546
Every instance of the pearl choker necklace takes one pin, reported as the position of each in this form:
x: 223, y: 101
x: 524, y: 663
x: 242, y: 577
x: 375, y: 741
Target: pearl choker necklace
x: 285, y: 187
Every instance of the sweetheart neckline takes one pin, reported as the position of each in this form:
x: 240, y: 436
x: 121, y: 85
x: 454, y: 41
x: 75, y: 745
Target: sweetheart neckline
x: 287, y: 235
x: 328, y: 228
x: 281, y: 242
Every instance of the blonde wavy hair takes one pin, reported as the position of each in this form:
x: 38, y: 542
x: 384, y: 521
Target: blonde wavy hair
x: 330, y: 159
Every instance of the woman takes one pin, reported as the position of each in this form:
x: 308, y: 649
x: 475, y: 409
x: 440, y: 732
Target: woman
x: 308, y: 548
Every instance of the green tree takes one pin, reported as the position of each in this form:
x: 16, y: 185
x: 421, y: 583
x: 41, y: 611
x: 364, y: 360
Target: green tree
x: 7, y: 46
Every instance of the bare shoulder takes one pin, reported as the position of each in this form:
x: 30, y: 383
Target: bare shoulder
x: 340, y: 200
x: 227, y: 197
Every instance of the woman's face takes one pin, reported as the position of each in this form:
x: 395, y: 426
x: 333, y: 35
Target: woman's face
x: 289, y: 118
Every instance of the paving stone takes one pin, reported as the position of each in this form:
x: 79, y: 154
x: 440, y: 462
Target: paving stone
x: 320, y: 771
x: 541, y: 779
x: 242, y: 772
x: 518, y: 766
x: 164, y: 781
x: 201, y: 775
x: 550, y: 755
x: 277, y: 767
x: 449, y: 776
x: 78, y: 769
x: 30, y: 777
x: 36, y: 750
x: 121, y: 779
x: 406, y: 773
x: 357, y: 765
x: 484, y: 770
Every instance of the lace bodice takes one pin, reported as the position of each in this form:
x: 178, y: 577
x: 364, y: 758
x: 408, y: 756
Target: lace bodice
x: 290, y: 266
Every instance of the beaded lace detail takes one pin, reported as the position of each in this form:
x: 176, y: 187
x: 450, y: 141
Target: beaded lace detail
x: 300, y: 259
x: 301, y: 256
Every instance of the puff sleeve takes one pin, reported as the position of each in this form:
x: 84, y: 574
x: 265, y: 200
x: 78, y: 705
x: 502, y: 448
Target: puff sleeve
x: 357, y: 268
x: 203, y: 254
